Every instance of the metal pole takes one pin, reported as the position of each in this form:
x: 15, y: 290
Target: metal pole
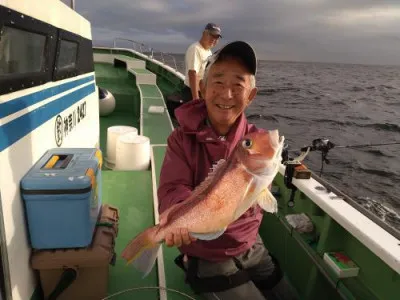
x: 4, y: 258
x: 73, y: 4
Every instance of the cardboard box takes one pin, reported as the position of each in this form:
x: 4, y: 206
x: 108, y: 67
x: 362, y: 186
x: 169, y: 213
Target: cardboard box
x: 80, y: 273
x: 341, y: 264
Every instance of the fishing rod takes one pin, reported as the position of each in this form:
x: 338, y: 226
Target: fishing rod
x: 368, y: 145
x: 324, y: 145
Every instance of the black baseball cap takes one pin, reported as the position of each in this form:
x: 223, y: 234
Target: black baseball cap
x: 239, y: 49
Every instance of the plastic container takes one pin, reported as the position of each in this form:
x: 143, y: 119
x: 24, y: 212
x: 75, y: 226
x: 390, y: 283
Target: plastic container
x: 113, y: 133
x: 133, y: 152
x: 62, y: 196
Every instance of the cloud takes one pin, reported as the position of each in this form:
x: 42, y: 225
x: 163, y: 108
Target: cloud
x: 380, y: 17
x: 352, y: 31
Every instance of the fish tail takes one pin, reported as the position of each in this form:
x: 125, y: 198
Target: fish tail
x: 144, y: 250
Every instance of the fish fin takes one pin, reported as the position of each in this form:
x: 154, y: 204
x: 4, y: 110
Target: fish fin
x: 267, y: 201
x: 208, y: 236
x: 217, y: 169
x: 142, y: 250
x: 274, y: 137
x: 218, y: 164
x: 216, y: 172
x: 146, y: 260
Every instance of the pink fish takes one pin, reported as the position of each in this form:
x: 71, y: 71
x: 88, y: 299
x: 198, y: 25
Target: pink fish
x: 232, y: 187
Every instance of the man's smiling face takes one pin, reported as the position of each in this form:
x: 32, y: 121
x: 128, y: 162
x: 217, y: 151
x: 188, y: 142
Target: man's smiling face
x: 227, y: 91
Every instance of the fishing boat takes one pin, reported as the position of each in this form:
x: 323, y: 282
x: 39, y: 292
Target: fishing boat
x: 55, y: 91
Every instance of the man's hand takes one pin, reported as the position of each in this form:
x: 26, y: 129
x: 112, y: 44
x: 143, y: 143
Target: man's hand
x: 178, y: 237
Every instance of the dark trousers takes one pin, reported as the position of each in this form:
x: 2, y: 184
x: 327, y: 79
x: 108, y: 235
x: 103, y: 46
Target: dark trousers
x: 263, y: 281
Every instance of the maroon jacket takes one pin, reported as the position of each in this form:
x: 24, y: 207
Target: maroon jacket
x: 192, y: 149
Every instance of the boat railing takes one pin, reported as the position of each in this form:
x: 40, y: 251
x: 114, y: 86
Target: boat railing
x: 150, y: 52
x: 71, y: 3
x: 376, y: 219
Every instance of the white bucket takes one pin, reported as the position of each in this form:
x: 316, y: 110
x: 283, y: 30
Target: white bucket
x: 113, y: 133
x: 133, y: 152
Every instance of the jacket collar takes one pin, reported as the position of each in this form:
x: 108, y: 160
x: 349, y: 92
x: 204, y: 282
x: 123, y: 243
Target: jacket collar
x: 192, y: 117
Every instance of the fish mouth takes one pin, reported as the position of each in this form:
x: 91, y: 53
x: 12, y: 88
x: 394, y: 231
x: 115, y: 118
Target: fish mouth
x: 258, y: 156
x: 261, y: 159
x: 224, y: 107
x: 253, y: 152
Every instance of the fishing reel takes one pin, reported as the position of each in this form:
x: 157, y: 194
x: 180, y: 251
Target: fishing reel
x: 294, y: 169
x: 321, y: 144
x: 294, y: 166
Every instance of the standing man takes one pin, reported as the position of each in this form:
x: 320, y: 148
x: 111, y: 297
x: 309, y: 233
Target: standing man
x: 196, y: 59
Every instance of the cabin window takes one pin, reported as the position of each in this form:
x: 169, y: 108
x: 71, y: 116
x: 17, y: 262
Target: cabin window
x: 68, y: 55
x: 21, y: 51
x: 33, y: 52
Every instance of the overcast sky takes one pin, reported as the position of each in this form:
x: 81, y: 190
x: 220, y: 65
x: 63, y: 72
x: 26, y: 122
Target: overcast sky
x: 350, y: 31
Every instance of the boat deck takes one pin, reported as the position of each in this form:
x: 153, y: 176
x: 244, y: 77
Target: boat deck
x: 134, y: 192
x: 121, y: 189
x: 119, y: 83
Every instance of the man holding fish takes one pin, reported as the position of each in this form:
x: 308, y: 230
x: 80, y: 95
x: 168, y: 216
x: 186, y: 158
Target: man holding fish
x: 214, y: 186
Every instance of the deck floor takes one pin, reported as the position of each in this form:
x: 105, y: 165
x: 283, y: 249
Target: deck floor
x: 175, y: 278
x: 131, y: 193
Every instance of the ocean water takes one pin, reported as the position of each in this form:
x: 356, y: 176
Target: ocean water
x: 347, y: 104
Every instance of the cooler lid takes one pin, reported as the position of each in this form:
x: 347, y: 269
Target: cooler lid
x: 60, y: 174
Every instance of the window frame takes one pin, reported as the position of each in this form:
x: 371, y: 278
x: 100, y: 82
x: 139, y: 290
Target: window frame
x: 84, y: 61
x: 18, y: 81
x: 64, y: 35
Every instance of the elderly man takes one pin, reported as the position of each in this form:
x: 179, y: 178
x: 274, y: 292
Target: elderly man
x: 196, y: 58
x: 236, y: 265
x: 195, y: 61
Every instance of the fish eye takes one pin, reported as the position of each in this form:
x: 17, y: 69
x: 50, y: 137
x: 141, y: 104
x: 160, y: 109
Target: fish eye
x: 247, y: 143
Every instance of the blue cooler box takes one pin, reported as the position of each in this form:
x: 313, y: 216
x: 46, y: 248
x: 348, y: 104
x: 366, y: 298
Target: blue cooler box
x: 62, y: 195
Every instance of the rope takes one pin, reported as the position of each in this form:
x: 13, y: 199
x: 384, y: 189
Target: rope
x: 148, y: 288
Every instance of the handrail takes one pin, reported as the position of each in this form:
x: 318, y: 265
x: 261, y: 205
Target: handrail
x: 71, y: 3
x: 145, y: 49
x: 330, y: 187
